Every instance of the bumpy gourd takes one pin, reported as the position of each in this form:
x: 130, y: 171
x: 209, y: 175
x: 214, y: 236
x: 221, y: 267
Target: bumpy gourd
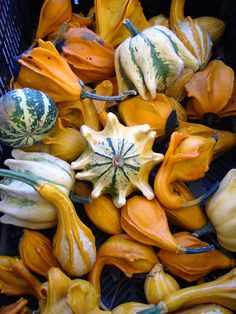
x: 118, y: 160
x: 151, y: 60
x: 26, y: 117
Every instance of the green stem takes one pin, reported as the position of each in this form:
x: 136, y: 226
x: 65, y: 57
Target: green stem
x: 78, y: 199
x: 205, y: 230
x: 28, y: 179
x: 197, y: 250
x: 152, y: 310
x: 86, y: 94
x: 130, y: 26
x: 61, y: 33
x: 203, y: 197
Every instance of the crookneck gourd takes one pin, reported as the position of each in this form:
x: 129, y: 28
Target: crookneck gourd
x: 20, y: 203
x: 118, y: 160
x: 187, y: 159
x: 73, y: 242
x: 151, y: 60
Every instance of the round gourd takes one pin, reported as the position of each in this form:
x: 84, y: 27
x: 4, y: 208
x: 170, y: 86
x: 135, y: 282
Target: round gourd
x: 26, y: 117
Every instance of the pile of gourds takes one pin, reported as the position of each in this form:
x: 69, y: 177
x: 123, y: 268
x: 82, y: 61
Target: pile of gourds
x: 101, y: 144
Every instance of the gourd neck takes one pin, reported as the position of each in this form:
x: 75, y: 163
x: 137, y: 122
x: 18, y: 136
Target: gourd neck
x: 130, y: 26
x: 86, y: 94
x: 205, y: 230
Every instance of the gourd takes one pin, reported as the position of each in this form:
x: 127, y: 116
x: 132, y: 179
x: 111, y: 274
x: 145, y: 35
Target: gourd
x: 206, y: 309
x: 26, y: 117
x: 220, y: 291
x: 210, y: 91
x: 130, y: 308
x: 151, y: 60
x: 88, y: 55
x: 158, y: 284
x: 118, y: 160
x: 195, y: 266
x: 35, y: 250
x: 187, y: 159
x: 220, y: 209
x: 20, y: 203
x: 52, y: 15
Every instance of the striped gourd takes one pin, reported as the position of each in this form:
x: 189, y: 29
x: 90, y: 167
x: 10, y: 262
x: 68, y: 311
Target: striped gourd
x: 151, y: 60
x: 118, y: 160
x: 159, y: 284
x: 26, y: 116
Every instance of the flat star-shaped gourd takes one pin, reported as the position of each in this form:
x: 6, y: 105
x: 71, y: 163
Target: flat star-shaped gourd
x: 118, y: 160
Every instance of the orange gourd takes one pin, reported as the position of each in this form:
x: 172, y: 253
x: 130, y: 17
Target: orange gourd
x: 225, y: 140
x: 109, y: 26
x: 43, y: 68
x: 193, y: 266
x: 209, y: 92
x: 36, y: 252
x: 186, y: 217
x: 147, y: 223
x: 155, y: 113
x: 89, y: 57
x: 125, y: 253
x: 52, y: 15
x: 195, y: 38
x: 187, y: 159
x: 18, y: 307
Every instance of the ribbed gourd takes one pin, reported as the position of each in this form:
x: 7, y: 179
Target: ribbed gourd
x: 151, y: 60
x: 118, y: 160
x: 26, y: 116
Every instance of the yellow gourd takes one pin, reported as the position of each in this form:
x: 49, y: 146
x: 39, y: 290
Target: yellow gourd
x: 159, y: 284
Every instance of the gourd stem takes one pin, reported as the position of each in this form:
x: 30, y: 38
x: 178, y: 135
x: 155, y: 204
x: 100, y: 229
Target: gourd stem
x: 153, y: 310
x: 130, y: 26
x: 190, y: 250
x: 79, y: 199
x: 31, y: 180
x: 86, y: 94
x: 207, y: 229
x: 61, y: 32
x: 203, y: 197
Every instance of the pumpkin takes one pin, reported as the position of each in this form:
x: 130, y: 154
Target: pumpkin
x: 26, y: 117
x: 195, y: 38
x: 118, y: 160
x: 209, y: 92
x: 187, y: 159
x: 220, y: 291
x: 193, y: 266
x: 35, y: 251
x: 167, y: 57
x: 89, y: 57
x: 158, y: 284
x: 220, y: 209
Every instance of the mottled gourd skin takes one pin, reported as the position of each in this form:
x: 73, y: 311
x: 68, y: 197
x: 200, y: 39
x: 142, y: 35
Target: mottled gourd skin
x: 26, y: 117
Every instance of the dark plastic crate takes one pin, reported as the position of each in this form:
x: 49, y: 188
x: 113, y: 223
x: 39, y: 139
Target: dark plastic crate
x: 18, y: 20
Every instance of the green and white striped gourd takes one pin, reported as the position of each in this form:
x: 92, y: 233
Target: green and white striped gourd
x: 26, y: 117
x: 151, y: 60
x: 118, y: 160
